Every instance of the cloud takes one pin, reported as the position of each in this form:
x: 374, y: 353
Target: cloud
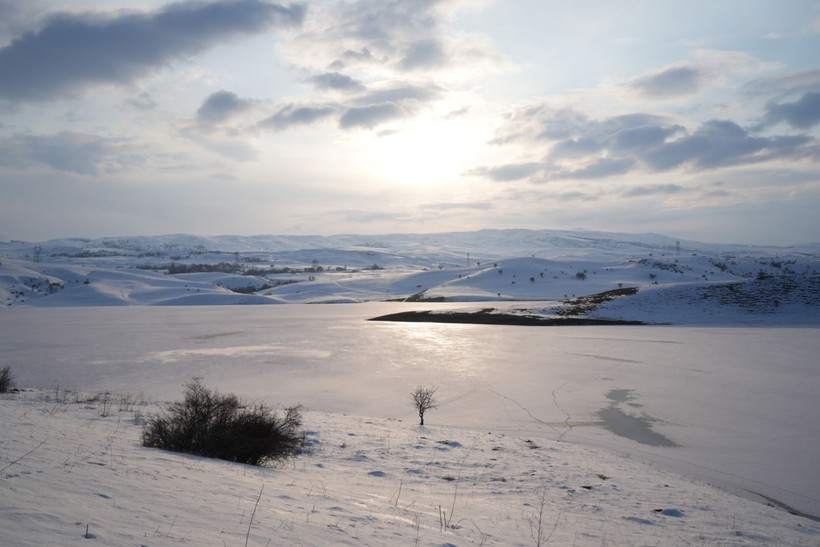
x: 676, y: 81
x: 221, y: 106
x: 723, y: 143
x: 641, y: 191
x: 361, y: 111
x: 370, y: 33
x: 448, y: 206
x: 795, y: 83
x: 336, y: 82
x: 291, y: 115
x: 67, y: 151
x: 74, y: 51
x: 423, y: 54
x: 363, y: 56
x: 716, y: 194
x: 457, y: 113
x: 573, y: 145
x: 598, y: 169
x: 573, y: 134
x: 17, y: 16
x: 365, y: 49
x: 217, y: 126
x: 383, y: 22
x: 144, y: 101
x: 709, y: 68
x: 541, y: 123
x: 575, y: 196
x: 399, y: 94
x: 392, y: 36
x: 371, y: 116
x: 644, y: 136
x: 508, y: 172
x: 802, y: 114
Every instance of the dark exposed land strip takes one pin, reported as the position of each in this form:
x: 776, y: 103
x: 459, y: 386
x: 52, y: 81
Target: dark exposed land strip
x: 484, y: 317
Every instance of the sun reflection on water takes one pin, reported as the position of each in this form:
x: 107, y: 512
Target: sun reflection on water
x: 443, y: 347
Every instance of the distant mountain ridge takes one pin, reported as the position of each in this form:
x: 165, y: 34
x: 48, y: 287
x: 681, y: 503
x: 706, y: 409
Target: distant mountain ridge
x: 497, y: 243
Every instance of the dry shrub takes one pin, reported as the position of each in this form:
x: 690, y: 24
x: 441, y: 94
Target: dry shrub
x: 207, y: 423
x: 6, y: 380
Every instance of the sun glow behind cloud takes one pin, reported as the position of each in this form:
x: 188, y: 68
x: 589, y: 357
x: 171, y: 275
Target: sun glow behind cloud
x: 408, y: 115
x: 425, y: 153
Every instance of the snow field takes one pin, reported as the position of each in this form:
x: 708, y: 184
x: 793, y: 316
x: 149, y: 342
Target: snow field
x: 73, y: 463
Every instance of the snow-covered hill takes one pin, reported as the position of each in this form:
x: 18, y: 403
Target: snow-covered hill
x: 678, y: 281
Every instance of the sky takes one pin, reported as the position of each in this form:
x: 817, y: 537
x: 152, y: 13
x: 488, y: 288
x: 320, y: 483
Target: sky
x: 697, y: 119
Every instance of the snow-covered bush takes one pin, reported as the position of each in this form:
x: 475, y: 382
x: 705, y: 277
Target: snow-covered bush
x: 207, y: 423
x: 6, y: 380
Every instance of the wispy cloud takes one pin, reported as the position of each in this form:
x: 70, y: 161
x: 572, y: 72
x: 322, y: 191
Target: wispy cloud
x: 293, y: 115
x: 448, y: 206
x: 371, y: 116
x: 708, y: 69
x: 670, y: 82
x: 70, y: 152
x: 367, y: 110
x: 399, y: 93
x: 789, y: 84
x: 508, y: 172
x: 336, y: 82
x: 143, y: 101
x: 653, y: 190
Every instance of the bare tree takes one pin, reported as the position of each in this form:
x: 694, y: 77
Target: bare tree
x: 424, y: 398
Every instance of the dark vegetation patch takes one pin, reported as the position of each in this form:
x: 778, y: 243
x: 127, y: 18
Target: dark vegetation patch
x: 485, y: 317
x: 421, y: 297
x: 585, y: 304
x: 7, y: 382
x: 221, y: 267
x: 207, y: 423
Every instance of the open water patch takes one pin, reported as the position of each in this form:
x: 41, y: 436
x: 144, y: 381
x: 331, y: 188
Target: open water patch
x: 636, y: 428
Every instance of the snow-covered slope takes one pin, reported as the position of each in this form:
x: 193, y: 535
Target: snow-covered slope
x: 680, y: 282
x: 73, y: 472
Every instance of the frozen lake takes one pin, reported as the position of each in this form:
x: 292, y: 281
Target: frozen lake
x: 732, y: 406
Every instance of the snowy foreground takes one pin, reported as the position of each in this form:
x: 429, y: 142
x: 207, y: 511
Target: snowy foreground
x: 700, y: 433
x: 74, y: 474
